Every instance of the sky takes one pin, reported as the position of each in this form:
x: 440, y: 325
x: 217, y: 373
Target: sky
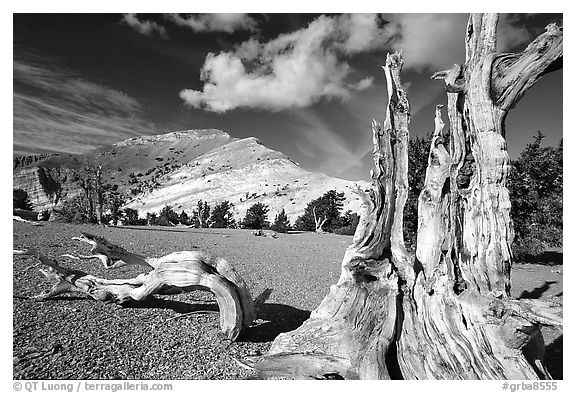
x: 307, y: 85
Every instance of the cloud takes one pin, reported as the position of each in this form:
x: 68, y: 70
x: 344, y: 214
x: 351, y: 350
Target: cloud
x: 338, y: 140
x: 55, y: 111
x: 146, y: 27
x: 294, y: 70
x: 303, y: 67
x: 227, y: 23
x: 330, y: 151
x: 432, y: 42
x: 363, y: 84
x: 510, y: 33
x: 363, y: 32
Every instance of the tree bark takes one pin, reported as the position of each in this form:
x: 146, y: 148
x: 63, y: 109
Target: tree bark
x: 446, y: 314
x: 350, y: 333
x: 174, y: 273
x: 480, y: 94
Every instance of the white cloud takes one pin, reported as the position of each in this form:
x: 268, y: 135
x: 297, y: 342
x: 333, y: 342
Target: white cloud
x: 363, y: 84
x: 363, y: 32
x: 227, y: 23
x: 293, y: 70
x: 300, y: 68
x: 430, y: 41
x: 145, y: 27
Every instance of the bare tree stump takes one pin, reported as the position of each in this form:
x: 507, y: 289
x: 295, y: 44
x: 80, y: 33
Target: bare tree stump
x: 445, y: 314
x: 174, y: 273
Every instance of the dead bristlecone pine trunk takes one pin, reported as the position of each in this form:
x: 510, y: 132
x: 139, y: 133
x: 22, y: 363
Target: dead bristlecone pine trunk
x: 445, y: 313
x: 318, y: 221
x: 181, y: 271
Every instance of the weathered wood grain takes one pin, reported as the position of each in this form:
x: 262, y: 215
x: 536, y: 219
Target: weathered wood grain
x: 447, y: 314
x: 173, y: 273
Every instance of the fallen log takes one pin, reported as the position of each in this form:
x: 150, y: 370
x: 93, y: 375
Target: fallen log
x: 177, y: 272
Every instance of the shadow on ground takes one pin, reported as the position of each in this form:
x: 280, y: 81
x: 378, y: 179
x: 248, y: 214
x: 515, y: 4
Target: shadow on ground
x: 549, y: 258
x: 553, y: 358
x: 177, y: 306
x: 279, y: 318
x: 536, y: 293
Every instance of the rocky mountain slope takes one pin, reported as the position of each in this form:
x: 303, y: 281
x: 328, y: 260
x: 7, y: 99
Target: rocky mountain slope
x: 134, y: 165
x: 180, y: 168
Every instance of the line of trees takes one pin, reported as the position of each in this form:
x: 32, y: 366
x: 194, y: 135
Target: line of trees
x: 535, y: 185
x: 203, y: 216
x: 323, y: 214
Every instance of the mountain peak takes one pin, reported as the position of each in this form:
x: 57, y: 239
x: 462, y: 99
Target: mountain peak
x: 182, y: 167
x: 192, y: 134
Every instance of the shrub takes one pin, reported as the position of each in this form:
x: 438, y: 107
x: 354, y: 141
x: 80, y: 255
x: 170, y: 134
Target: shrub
x: 536, y: 187
x: 131, y: 217
x: 201, y: 215
x: 418, y: 150
x: 167, y: 216
x: 113, y: 201
x: 348, y: 223
x: 328, y: 205
x: 75, y: 210
x: 151, y: 219
x: 222, y: 215
x: 20, y: 200
x: 184, y: 219
x: 256, y: 216
x: 281, y: 223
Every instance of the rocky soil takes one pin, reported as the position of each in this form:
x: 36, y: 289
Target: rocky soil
x: 77, y: 338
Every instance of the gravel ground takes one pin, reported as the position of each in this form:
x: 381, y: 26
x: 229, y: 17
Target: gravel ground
x: 77, y: 338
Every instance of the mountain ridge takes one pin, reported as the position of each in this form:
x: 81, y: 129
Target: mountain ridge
x: 181, y: 167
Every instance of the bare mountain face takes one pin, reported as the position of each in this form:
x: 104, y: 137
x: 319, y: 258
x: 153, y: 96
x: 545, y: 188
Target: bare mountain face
x: 135, y: 165
x: 180, y: 168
